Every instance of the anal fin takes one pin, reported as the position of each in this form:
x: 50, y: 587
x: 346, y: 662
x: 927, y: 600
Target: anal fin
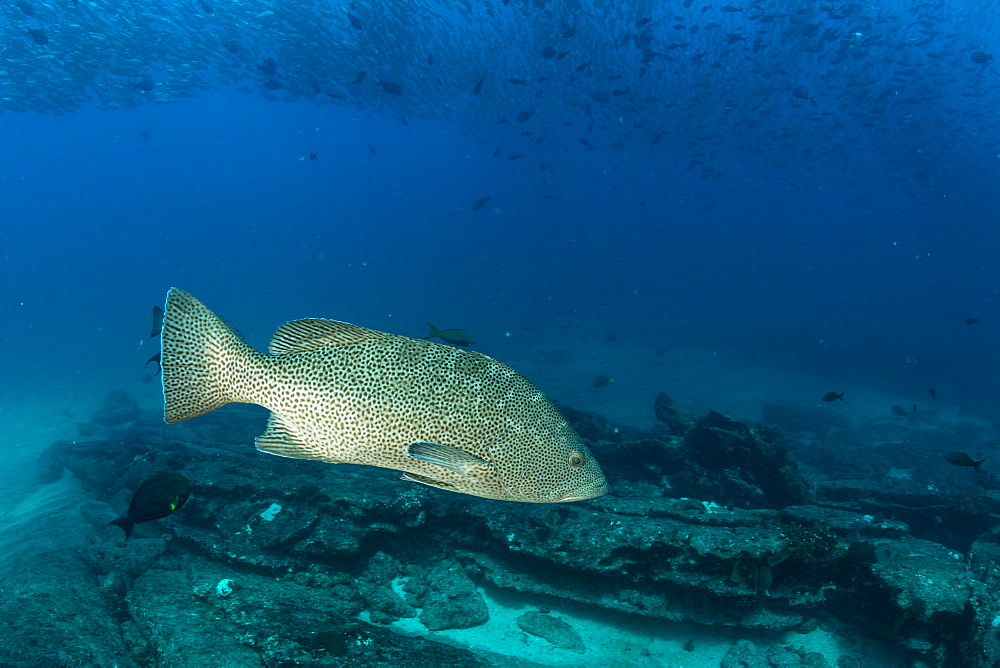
x: 281, y: 438
x: 424, y: 480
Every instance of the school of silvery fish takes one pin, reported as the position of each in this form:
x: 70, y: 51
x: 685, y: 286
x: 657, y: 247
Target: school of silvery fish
x: 533, y: 75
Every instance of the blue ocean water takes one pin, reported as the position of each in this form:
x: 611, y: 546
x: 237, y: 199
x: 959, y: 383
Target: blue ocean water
x: 842, y: 215
x: 807, y: 187
x: 813, y: 265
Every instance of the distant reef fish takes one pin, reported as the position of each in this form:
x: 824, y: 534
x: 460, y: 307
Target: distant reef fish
x: 156, y: 498
x: 456, y: 337
x: 833, y: 396
x: 447, y: 417
x: 961, y: 459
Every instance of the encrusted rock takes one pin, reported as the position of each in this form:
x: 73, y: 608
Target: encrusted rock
x: 556, y: 631
x: 449, y: 598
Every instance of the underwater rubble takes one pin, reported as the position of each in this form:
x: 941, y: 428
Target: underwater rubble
x: 710, y: 521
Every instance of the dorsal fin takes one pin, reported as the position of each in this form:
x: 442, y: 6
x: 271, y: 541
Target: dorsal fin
x: 313, y: 333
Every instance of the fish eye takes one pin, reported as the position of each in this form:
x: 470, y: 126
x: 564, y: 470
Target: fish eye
x: 575, y: 459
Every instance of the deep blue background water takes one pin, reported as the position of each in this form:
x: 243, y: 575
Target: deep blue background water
x: 810, y: 270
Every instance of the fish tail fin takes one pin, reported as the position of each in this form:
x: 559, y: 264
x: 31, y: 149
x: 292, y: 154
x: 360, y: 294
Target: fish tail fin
x: 199, y: 353
x: 976, y: 465
x: 433, y: 331
x: 841, y: 396
x: 126, y: 525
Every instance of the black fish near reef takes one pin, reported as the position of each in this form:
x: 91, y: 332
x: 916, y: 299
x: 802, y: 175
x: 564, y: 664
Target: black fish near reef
x: 156, y: 498
x: 456, y: 337
x: 981, y: 58
x: 480, y: 203
x: 154, y: 358
x: 971, y: 320
x: 157, y: 321
x: 833, y: 396
x: 961, y: 459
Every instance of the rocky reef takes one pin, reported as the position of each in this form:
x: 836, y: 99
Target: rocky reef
x: 711, y: 522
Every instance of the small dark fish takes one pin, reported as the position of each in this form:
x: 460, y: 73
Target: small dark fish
x: 481, y: 202
x: 391, y: 87
x: 232, y: 46
x: 25, y: 8
x: 159, y: 367
x: 602, y: 381
x: 359, y: 77
x: 272, y: 84
x: 643, y: 21
x: 146, y: 134
x: 833, y: 396
x: 523, y: 116
x: 430, y: 58
x: 581, y: 67
x: 456, y: 337
x: 961, y: 459
x: 205, y: 7
x: 971, y: 321
x: 38, y: 36
x: 269, y: 67
x: 731, y: 9
x: 155, y: 499
x: 157, y: 321
x: 548, y: 52
x: 933, y: 393
x: 515, y: 156
x: 517, y: 82
x: 585, y: 142
x: 981, y: 58
x: 914, y: 408
x: 371, y: 149
x: 479, y: 87
x: 355, y: 21
x: 313, y: 156
x: 145, y: 84
x: 898, y: 410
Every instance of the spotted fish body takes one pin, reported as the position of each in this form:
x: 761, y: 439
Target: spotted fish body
x: 447, y: 417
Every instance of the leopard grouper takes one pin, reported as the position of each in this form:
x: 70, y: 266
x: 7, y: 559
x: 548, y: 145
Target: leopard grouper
x: 448, y: 418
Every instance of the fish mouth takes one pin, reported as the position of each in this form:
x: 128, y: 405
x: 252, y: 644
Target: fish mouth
x: 588, y: 493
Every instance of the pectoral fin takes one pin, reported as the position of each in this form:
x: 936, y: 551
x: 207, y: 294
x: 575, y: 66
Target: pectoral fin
x: 447, y: 456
